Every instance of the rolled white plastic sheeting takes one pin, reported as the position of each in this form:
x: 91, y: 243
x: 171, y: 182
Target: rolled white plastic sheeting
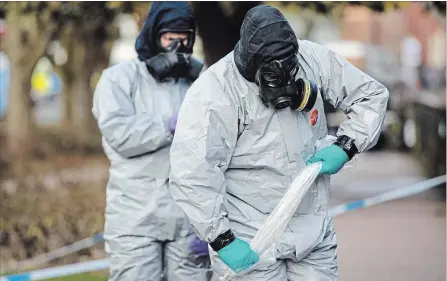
x: 264, y: 242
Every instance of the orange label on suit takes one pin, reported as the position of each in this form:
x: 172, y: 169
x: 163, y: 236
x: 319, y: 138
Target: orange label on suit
x: 314, y: 117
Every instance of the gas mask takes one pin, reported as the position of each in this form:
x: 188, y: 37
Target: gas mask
x: 175, y: 61
x: 178, y: 44
x: 183, y: 55
x: 278, y: 87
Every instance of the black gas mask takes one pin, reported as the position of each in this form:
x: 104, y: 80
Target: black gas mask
x: 278, y: 87
x: 175, y: 60
x: 183, y: 46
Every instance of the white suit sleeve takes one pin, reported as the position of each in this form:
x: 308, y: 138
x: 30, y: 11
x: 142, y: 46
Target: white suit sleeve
x: 204, y: 142
x: 129, y: 133
x: 363, y: 99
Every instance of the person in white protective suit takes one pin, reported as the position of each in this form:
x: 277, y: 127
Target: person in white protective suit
x: 247, y: 127
x: 136, y: 104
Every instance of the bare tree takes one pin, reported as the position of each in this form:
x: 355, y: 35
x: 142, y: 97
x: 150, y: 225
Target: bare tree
x: 88, y: 39
x: 31, y: 26
x: 87, y: 31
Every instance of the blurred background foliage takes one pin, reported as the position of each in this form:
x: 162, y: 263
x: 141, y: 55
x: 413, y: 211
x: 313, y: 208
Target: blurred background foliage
x: 53, y: 174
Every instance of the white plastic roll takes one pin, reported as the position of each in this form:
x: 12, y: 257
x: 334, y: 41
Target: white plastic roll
x: 265, y: 239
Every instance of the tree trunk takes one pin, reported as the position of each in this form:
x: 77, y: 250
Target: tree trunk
x: 220, y: 37
x: 24, y: 43
x: 66, y: 71
x: 89, y: 55
x: 67, y: 105
x: 89, y: 59
x: 19, y: 125
x: 19, y: 120
x: 80, y: 93
x: 83, y: 114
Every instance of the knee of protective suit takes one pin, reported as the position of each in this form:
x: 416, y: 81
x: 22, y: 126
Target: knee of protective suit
x: 135, y: 258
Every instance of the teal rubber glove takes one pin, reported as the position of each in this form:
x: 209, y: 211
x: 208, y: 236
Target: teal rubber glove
x: 333, y: 158
x: 238, y: 255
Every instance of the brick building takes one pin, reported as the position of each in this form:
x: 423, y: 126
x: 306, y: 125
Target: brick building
x: 388, y: 29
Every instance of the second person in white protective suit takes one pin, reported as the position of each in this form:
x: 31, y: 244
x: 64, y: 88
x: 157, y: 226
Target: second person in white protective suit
x: 248, y: 126
x: 136, y: 103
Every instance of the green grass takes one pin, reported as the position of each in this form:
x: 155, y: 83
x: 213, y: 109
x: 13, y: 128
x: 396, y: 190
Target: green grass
x: 94, y: 276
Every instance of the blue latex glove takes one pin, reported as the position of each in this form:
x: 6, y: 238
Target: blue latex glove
x: 238, y: 255
x: 199, y: 247
x: 172, y: 123
x: 333, y: 158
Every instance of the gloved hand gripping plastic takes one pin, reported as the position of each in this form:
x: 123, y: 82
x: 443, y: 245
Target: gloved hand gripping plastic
x: 264, y: 242
x: 328, y: 141
x: 266, y: 238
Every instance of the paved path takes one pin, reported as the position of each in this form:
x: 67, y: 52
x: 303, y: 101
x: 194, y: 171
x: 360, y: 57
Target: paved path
x: 403, y: 240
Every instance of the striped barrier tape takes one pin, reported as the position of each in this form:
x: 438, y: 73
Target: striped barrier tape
x: 61, y: 252
x: 97, y: 265
x: 65, y: 270
x: 59, y: 271
x: 388, y: 196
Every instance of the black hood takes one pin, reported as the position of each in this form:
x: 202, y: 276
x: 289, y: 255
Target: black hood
x: 172, y: 15
x: 265, y: 36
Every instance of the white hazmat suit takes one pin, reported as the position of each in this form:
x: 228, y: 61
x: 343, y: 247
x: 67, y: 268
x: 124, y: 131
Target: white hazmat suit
x: 146, y: 232
x: 234, y: 158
